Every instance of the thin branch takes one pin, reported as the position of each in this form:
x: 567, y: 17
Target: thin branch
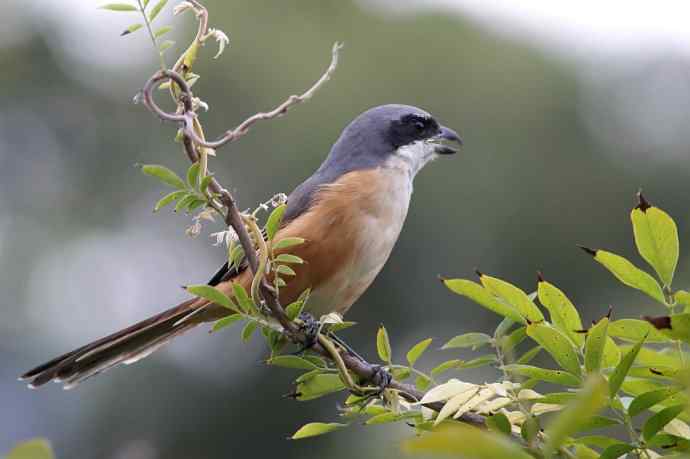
x: 185, y: 117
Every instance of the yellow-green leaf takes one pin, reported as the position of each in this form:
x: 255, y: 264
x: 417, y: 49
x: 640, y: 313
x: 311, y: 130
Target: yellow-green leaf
x: 594, y: 345
x: 467, y: 442
x: 119, y: 7
x: 513, y: 296
x: 612, y: 353
x: 676, y: 326
x: 212, y: 294
x: 248, y: 330
x: 634, y: 330
x: 630, y: 275
x: 383, y: 345
x: 162, y: 31
x: 647, y: 400
x: 289, y: 258
x: 556, y: 343
x: 552, y: 376
x: 318, y: 385
x: 621, y: 371
x: 657, y: 421
x: 131, y: 29
x: 225, y: 322
x: 288, y: 242
x: 417, y: 350
x: 169, y: 199
x: 157, y: 9
x: 245, y: 303
x: 292, y: 361
x: 274, y: 220
x: 656, y: 237
x: 589, y: 401
x: 473, y: 340
x: 164, y: 174
x: 193, y: 175
x: 480, y: 295
x: 36, y: 448
x: 316, y: 428
x: 563, y: 313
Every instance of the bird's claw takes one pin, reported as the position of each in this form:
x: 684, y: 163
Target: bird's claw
x: 381, y: 378
x: 311, y: 328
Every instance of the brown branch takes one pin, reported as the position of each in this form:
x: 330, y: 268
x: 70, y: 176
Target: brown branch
x: 185, y: 117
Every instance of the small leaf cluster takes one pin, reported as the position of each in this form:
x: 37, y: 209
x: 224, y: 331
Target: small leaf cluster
x: 149, y: 15
x: 189, y: 195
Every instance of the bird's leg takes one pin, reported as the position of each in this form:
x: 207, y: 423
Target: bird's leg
x: 311, y: 329
x: 381, y: 378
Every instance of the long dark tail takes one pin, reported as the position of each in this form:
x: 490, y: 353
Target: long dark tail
x: 126, y: 346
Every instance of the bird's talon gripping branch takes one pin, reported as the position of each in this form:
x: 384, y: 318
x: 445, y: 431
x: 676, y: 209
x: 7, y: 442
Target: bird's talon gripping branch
x: 311, y: 329
x: 381, y: 378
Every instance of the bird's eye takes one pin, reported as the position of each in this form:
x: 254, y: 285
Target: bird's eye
x: 419, y: 126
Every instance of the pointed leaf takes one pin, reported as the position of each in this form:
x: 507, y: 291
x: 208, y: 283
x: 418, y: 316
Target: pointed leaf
x: 676, y: 326
x: 225, y: 322
x: 248, y: 330
x: 616, y: 451
x: 553, y: 376
x: 499, y: 423
x: 513, y: 296
x: 169, y: 199
x: 657, y: 422
x: 656, y: 237
x: 445, y: 366
x: 119, y: 7
x: 288, y: 242
x: 193, y: 175
x: 634, y: 330
x: 563, y: 313
x: 164, y: 174
x: 318, y: 385
x: 157, y: 9
x: 162, y: 31
x: 274, y: 220
x: 316, y: 428
x: 212, y: 294
x: 618, y: 376
x: 589, y: 401
x: 417, y: 350
x: 473, y: 340
x: 630, y: 275
x: 480, y: 295
x: 131, y: 29
x: 594, y: 345
x: 383, y: 345
x: 556, y: 343
x: 647, y: 400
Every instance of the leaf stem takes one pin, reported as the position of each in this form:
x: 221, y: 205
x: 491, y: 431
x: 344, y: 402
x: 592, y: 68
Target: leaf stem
x: 142, y: 10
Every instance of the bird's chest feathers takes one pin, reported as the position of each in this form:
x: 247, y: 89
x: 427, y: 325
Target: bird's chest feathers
x: 362, y: 215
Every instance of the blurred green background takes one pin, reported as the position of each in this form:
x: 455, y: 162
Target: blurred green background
x: 557, y: 142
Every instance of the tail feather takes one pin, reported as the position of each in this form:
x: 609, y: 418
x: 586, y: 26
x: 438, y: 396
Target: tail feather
x: 126, y: 346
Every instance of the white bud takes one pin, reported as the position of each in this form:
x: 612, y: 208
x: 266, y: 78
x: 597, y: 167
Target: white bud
x: 222, y: 40
x: 182, y: 7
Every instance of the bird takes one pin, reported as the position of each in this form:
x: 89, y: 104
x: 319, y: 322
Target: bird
x: 349, y: 212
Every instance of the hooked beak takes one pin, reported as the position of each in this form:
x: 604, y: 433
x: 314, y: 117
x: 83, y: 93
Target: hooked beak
x: 447, y: 135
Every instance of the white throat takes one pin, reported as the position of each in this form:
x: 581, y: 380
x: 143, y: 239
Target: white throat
x: 415, y: 155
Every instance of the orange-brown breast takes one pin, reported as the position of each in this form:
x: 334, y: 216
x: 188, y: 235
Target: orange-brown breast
x: 349, y: 232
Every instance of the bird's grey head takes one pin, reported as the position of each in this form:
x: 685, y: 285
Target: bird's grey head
x: 391, y: 134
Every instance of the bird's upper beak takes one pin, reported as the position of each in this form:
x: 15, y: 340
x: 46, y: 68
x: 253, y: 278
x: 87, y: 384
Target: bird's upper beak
x: 444, y: 136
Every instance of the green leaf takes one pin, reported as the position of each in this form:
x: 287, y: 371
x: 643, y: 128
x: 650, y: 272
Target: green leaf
x: 383, y: 345
x: 131, y: 29
x: 205, y: 182
x: 621, y: 371
x: 288, y: 242
x: 184, y: 202
x: 465, y: 441
x: 597, y: 422
x: 513, y: 296
x: 656, y: 237
x: 225, y: 322
x: 169, y: 199
x: 157, y: 9
x: 659, y: 420
x: 164, y: 174
x: 600, y: 441
x: 245, y: 303
x: 499, y: 423
x: 563, y: 313
x: 503, y: 328
x: 682, y: 298
x: 647, y: 400
x: 318, y: 385
x: 165, y: 45
x: 480, y: 361
x: 594, y: 345
x: 480, y: 295
x: 556, y: 343
x: 248, y: 330
x: 530, y: 428
x: 634, y: 330
x: 616, y: 451
x: 316, y: 428
x: 422, y: 382
x: 473, y: 340
x: 584, y: 452
x: 212, y: 294
x: 553, y: 376
x: 589, y: 401
x: 292, y: 361
x: 508, y: 343
x: 193, y: 175
x: 293, y: 310
x: 556, y: 398
x: 445, y: 366
x: 36, y: 448
x: 529, y: 355
x: 289, y: 258
x: 630, y: 275
x: 612, y: 354
x: 417, y: 350
x: 273, y: 221
x: 162, y: 31
x: 119, y: 7
x: 286, y: 270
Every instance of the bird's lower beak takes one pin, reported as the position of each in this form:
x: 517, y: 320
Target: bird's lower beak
x: 444, y: 136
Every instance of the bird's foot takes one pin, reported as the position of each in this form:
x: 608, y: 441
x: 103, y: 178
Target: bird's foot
x: 311, y: 329
x: 381, y: 378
